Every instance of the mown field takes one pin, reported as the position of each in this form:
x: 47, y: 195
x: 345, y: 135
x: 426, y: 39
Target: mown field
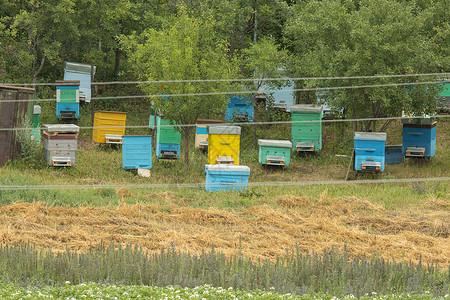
x: 399, y: 222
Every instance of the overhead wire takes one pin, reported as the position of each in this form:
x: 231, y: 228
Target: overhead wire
x: 237, y: 123
x: 202, y: 185
x: 233, y: 92
x: 246, y: 79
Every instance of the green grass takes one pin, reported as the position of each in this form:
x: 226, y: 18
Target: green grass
x: 102, y: 165
x: 327, y: 273
x: 108, y: 291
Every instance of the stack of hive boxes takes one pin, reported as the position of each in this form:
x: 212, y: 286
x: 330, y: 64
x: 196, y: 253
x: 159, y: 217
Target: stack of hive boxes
x: 168, y: 140
x: 67, y: 99
x: 60, y: 144
x: 223, y: 171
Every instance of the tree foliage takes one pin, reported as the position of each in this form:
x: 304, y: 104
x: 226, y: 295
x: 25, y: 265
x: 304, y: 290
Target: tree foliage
x: 187, y: 50
x: 381, y: 37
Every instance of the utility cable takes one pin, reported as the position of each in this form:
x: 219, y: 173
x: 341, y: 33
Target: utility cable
x: 202, y: 185
x: 245, y: 79
x: 233, y: 92
x: 235, y: 123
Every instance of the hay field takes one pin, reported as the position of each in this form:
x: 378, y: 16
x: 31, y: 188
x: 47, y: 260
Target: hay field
x: 265, y: 232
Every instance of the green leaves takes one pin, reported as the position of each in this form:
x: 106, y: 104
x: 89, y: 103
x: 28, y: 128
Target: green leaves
x: 379, y: 37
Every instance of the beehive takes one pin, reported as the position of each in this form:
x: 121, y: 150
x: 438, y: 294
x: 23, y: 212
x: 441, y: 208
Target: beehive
x: 226, y: 177
x: 36, y: 124
x: 67, y: 99
x: 393, y: 154
x: 369, y: 150
x: 306, y: 136
x: 274, y: 152
x: 111, y: 123
x: 83, y: 73
x: 224, y: 145
x: 419, y: 137
x: 168, y: 140
x: 60, y: 144
x: 201, y: 133
x: 240, y: 108
x: 137, y: 152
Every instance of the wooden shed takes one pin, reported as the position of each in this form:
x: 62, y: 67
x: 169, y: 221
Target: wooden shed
x: 14, y: 106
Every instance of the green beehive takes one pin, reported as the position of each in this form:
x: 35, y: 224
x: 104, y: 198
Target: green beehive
x: 67, y: 91
x: 306, y: 136
x: 274, y: 152
x: 36, y: 124
x: 166, y: 134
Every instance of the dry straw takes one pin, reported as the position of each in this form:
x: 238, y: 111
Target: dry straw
x: 365, y: 227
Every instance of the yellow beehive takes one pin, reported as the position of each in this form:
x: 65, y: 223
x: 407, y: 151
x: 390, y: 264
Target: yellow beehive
x: 108, y: 122
x: 224, y: 144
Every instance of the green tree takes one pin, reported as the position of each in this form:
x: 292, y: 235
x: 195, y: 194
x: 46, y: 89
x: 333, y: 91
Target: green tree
x: 264, y: 60
x: 188, y: 50
x: 376, y: 37
x: 33, y: 34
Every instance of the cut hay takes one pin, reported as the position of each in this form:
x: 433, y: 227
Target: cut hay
x: 259, y: 232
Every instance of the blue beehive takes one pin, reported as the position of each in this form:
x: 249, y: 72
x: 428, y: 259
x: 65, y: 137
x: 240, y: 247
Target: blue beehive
x: 67, y: 97
x: 394, y: 154
x: 240, y: 108
x: 82, y: 73
x: 168, y: 151
x: 419, y: 137
x: 137, y: 152
x: 67, y: 110
x: 369, y: 151
x: 226, y: 177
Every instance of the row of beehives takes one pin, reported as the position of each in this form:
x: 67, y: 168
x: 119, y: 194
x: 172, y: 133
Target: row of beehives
x: 418, y: 140
x: 223, y: 145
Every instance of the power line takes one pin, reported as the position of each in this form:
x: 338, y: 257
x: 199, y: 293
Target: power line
x: 202, y: 185
x: 237, y: 123
x: 234, y: 92
x: 246, y: 79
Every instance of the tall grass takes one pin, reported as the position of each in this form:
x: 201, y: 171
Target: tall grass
x: 298, y: 273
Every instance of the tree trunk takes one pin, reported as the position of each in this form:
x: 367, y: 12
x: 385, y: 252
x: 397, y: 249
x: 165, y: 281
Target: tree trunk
x: 117, y: 63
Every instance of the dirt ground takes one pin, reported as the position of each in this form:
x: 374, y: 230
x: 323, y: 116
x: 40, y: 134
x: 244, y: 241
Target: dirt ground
x: 265, y: 232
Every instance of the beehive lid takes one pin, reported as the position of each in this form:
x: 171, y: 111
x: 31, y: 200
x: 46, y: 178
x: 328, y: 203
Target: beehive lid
x: 225, y: 167
x: 78, y: 67
x: 111, y: 112
x: 60, y: 128
x: 208, y: 121
x: 36, y: 110
x: 275, y: 143
x: 67, y: 83
x: 308, y: 108
x: 224, y: 130
x: 380, y: 136
x: 423, y: 120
